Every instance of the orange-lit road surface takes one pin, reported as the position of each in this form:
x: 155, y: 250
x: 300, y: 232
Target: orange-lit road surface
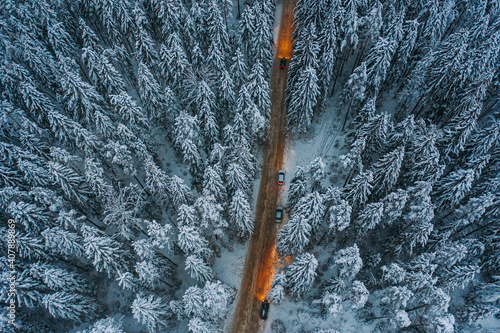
x: 258, y: 272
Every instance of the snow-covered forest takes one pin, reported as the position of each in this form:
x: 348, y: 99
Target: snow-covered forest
x: 407, y: 235
x: 130, y: 134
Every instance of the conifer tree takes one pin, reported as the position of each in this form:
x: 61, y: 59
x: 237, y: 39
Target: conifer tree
x: 370, y: 217
x: 294, y: 237
x: 213, y: 184
x: 349, y: 262
x: 301, y: 274
x: 104, y: 252
x: 191, y: 241
x: 339, y: 216
x: 198, y: 269
x: 358, y: 295
x: 359, y: 189
x: 66, y: 305
x: 193, y: 302
x: 241, y: 214
x: 386, y: 170
x: 150, y: 311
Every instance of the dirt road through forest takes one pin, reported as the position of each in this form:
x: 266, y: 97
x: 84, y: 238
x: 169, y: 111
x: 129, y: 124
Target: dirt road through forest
x: 259, y: 262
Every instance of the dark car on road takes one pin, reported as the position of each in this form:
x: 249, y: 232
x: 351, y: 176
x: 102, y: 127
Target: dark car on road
x: 281, y: 177
x: 264, y: 309
x: 283, y: 63
x: 279, y: 214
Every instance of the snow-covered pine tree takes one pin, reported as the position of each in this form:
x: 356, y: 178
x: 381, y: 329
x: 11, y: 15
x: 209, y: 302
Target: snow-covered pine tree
x: 406, y: 46
x: 59, y: 279
x: 316, y: 170
x: 401, y: 319
x: 31, y: 216
x: 238, y: 69
x: 311, y: 208
x: 298, y: 188
x: 198, y: 269
x: 145, y: 48
x: 126, y: 280
x: 303, y: 99
x: 418, y: 215
x: 94, y: 175
x: 161, y: 237
x: 108, y: 325
x: 105, y: 253
x: 186, y: 140
x: 386, y: 170
x: 121, y: 155
x: 328, y: 36
x: 423, y: 162
x: 294, y: 237
x: 63, y: 242
x: 358, y: 295
x: 149, y: 88
x: 148, y: 273
x: 196, y: 325
x: 259, y: 90
x: 203, y: 98
x: 211, y: 214
x: 393, y: 273
x: 237, y: 178
x: 217, y: 297
x: 378, y: 62
x: 460, y: 276
x: 350, y: 24
x: 375, y: 130
x: 241, y: 214
x: 349, y: 262
x: 180, y: 193
x: 193, y: 302
x: 173, y: 60
x: 394, y: 204
x: 29, y: 245
x: 28, y: 290
x: 450, y: 190
x: 277, y: 292
x: 128, y: 110
x: 353, y: 94
x: 339, y: 216
x: 213, y: 184
x: 301, y: 274
x: 186, y: 216
x: 261, y: 36
x: 191, y: 241
x: 123, y: 209
x: 156, y: 179
x: 395, y: 298
x: 151, y: 311
x: 331, y: 304
x: 72, y: 184
x: 369, y: 217
x: 80, y: 98
x: 359, y: 189
x: 67, y: 305
x: 365, y: 113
